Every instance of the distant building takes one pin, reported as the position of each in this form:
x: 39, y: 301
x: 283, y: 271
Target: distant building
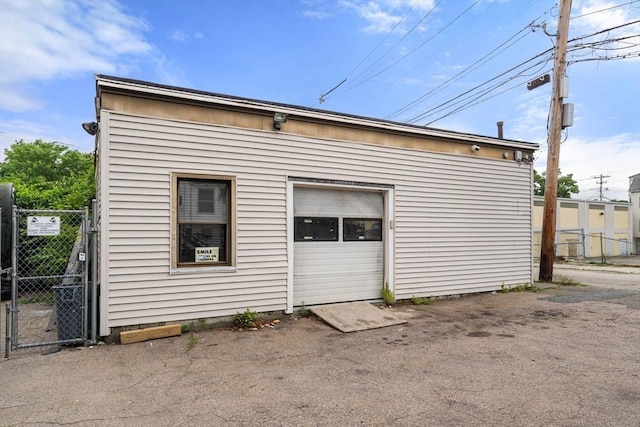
x: 634, y: 198
x: 587, y: 228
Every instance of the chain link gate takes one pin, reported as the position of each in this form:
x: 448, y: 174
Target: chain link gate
x: 49, y: 292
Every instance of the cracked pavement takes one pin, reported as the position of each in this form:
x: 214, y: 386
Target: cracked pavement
x: 563, y: 356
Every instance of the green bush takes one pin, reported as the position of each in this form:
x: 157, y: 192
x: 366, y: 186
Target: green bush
x: 246, y: 319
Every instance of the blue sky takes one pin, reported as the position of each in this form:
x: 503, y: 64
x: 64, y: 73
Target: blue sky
x: 404, y: 60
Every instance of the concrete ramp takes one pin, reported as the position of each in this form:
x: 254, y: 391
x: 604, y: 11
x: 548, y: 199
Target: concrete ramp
x: 355, y: 316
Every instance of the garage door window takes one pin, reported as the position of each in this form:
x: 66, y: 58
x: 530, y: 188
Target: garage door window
x: 315, y: 229
x: 362, y: 229
x: 203, y: 221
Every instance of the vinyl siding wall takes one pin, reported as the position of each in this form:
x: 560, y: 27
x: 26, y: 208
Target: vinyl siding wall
x: 462, y: 223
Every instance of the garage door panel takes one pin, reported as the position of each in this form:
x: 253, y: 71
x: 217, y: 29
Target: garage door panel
x: 328, y: 202
x: 337, y: 271
x: 312, y: 290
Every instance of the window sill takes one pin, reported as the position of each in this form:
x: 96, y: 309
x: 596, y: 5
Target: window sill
x: 190, y: 270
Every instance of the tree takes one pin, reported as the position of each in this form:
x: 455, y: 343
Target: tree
x: 48, y: 175
x: 566, y: 184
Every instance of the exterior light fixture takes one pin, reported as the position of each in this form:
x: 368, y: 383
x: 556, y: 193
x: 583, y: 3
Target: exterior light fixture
x: 475, y: 148
x: 278, y: 119
x: 90, y: 127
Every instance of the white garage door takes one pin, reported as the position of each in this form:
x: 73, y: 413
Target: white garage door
x: 338, y: 245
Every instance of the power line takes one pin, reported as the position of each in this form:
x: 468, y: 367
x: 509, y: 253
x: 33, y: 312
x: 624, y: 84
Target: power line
x: 509, y: 43
x: 323, y: 97
x: 394, y: 46
x: 617, y: 27
x: 462, y: 73
x: 602, y: 10
x: 608, y: 58
x: 476, y: 100
x: 16, y: 139
x: 354, y: 85
x: 421, y: 45
x: 428, y: 112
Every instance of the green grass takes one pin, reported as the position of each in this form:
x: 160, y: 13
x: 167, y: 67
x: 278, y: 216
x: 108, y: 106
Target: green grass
x: 303, y: 311
x: 193, y: 341
x: 422, y: 300
x: 387, y: 295
x: 566, y: 281
x: 520, y: 288
x: 46, y: 299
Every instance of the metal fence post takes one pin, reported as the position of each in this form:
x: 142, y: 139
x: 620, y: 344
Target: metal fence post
x: 7, y: 338
x: 14, y: 279
x: 94, y: 270
x: 85, y: 271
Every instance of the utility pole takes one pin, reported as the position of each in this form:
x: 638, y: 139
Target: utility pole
x: 600, y: 180
x: 547, y: 250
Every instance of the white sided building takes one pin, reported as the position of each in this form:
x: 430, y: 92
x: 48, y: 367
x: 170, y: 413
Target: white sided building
x: 634, y: 199
x: 586, y: 228
x: 211, y: 204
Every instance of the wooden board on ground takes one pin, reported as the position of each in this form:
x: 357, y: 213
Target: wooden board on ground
x: 138, y: 335
x: 355, y: 316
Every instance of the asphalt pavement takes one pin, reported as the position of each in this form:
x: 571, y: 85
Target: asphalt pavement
x: 563, y: 356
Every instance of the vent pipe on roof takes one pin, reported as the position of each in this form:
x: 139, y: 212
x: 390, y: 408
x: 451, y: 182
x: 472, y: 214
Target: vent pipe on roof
x: 500, y: 132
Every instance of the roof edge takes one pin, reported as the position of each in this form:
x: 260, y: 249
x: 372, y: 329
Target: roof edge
x: 106, y: 81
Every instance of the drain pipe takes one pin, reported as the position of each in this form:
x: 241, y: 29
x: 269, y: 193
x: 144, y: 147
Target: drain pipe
x: 500, y: 132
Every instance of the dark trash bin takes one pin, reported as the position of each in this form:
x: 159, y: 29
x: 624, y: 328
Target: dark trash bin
x: 69, y: 302
x: 5, y: 288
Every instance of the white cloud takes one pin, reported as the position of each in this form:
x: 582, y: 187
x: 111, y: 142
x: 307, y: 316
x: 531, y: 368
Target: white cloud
x: 591, y: 16
x: 316, y: 14
x: 383, y: 15
x: 617, y: 156
x: 61, y: 39
x: 181, y: 36
x: 28, y: 130
x: 413, y: 81
x: 531, y: 120
x: 317, y: 9
x: 597, y: 15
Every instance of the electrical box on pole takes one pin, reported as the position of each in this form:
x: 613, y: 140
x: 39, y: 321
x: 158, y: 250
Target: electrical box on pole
x: 564, y: 87
x: 567, y: 115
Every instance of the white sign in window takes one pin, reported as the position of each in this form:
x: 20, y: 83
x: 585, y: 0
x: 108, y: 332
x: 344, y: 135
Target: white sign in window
x: 43, y: 225
x: 207, y: 254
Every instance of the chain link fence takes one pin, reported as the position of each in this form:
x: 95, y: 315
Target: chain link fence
x: 568, y: 244
x: 49, y: 293
x: 573, y: 244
